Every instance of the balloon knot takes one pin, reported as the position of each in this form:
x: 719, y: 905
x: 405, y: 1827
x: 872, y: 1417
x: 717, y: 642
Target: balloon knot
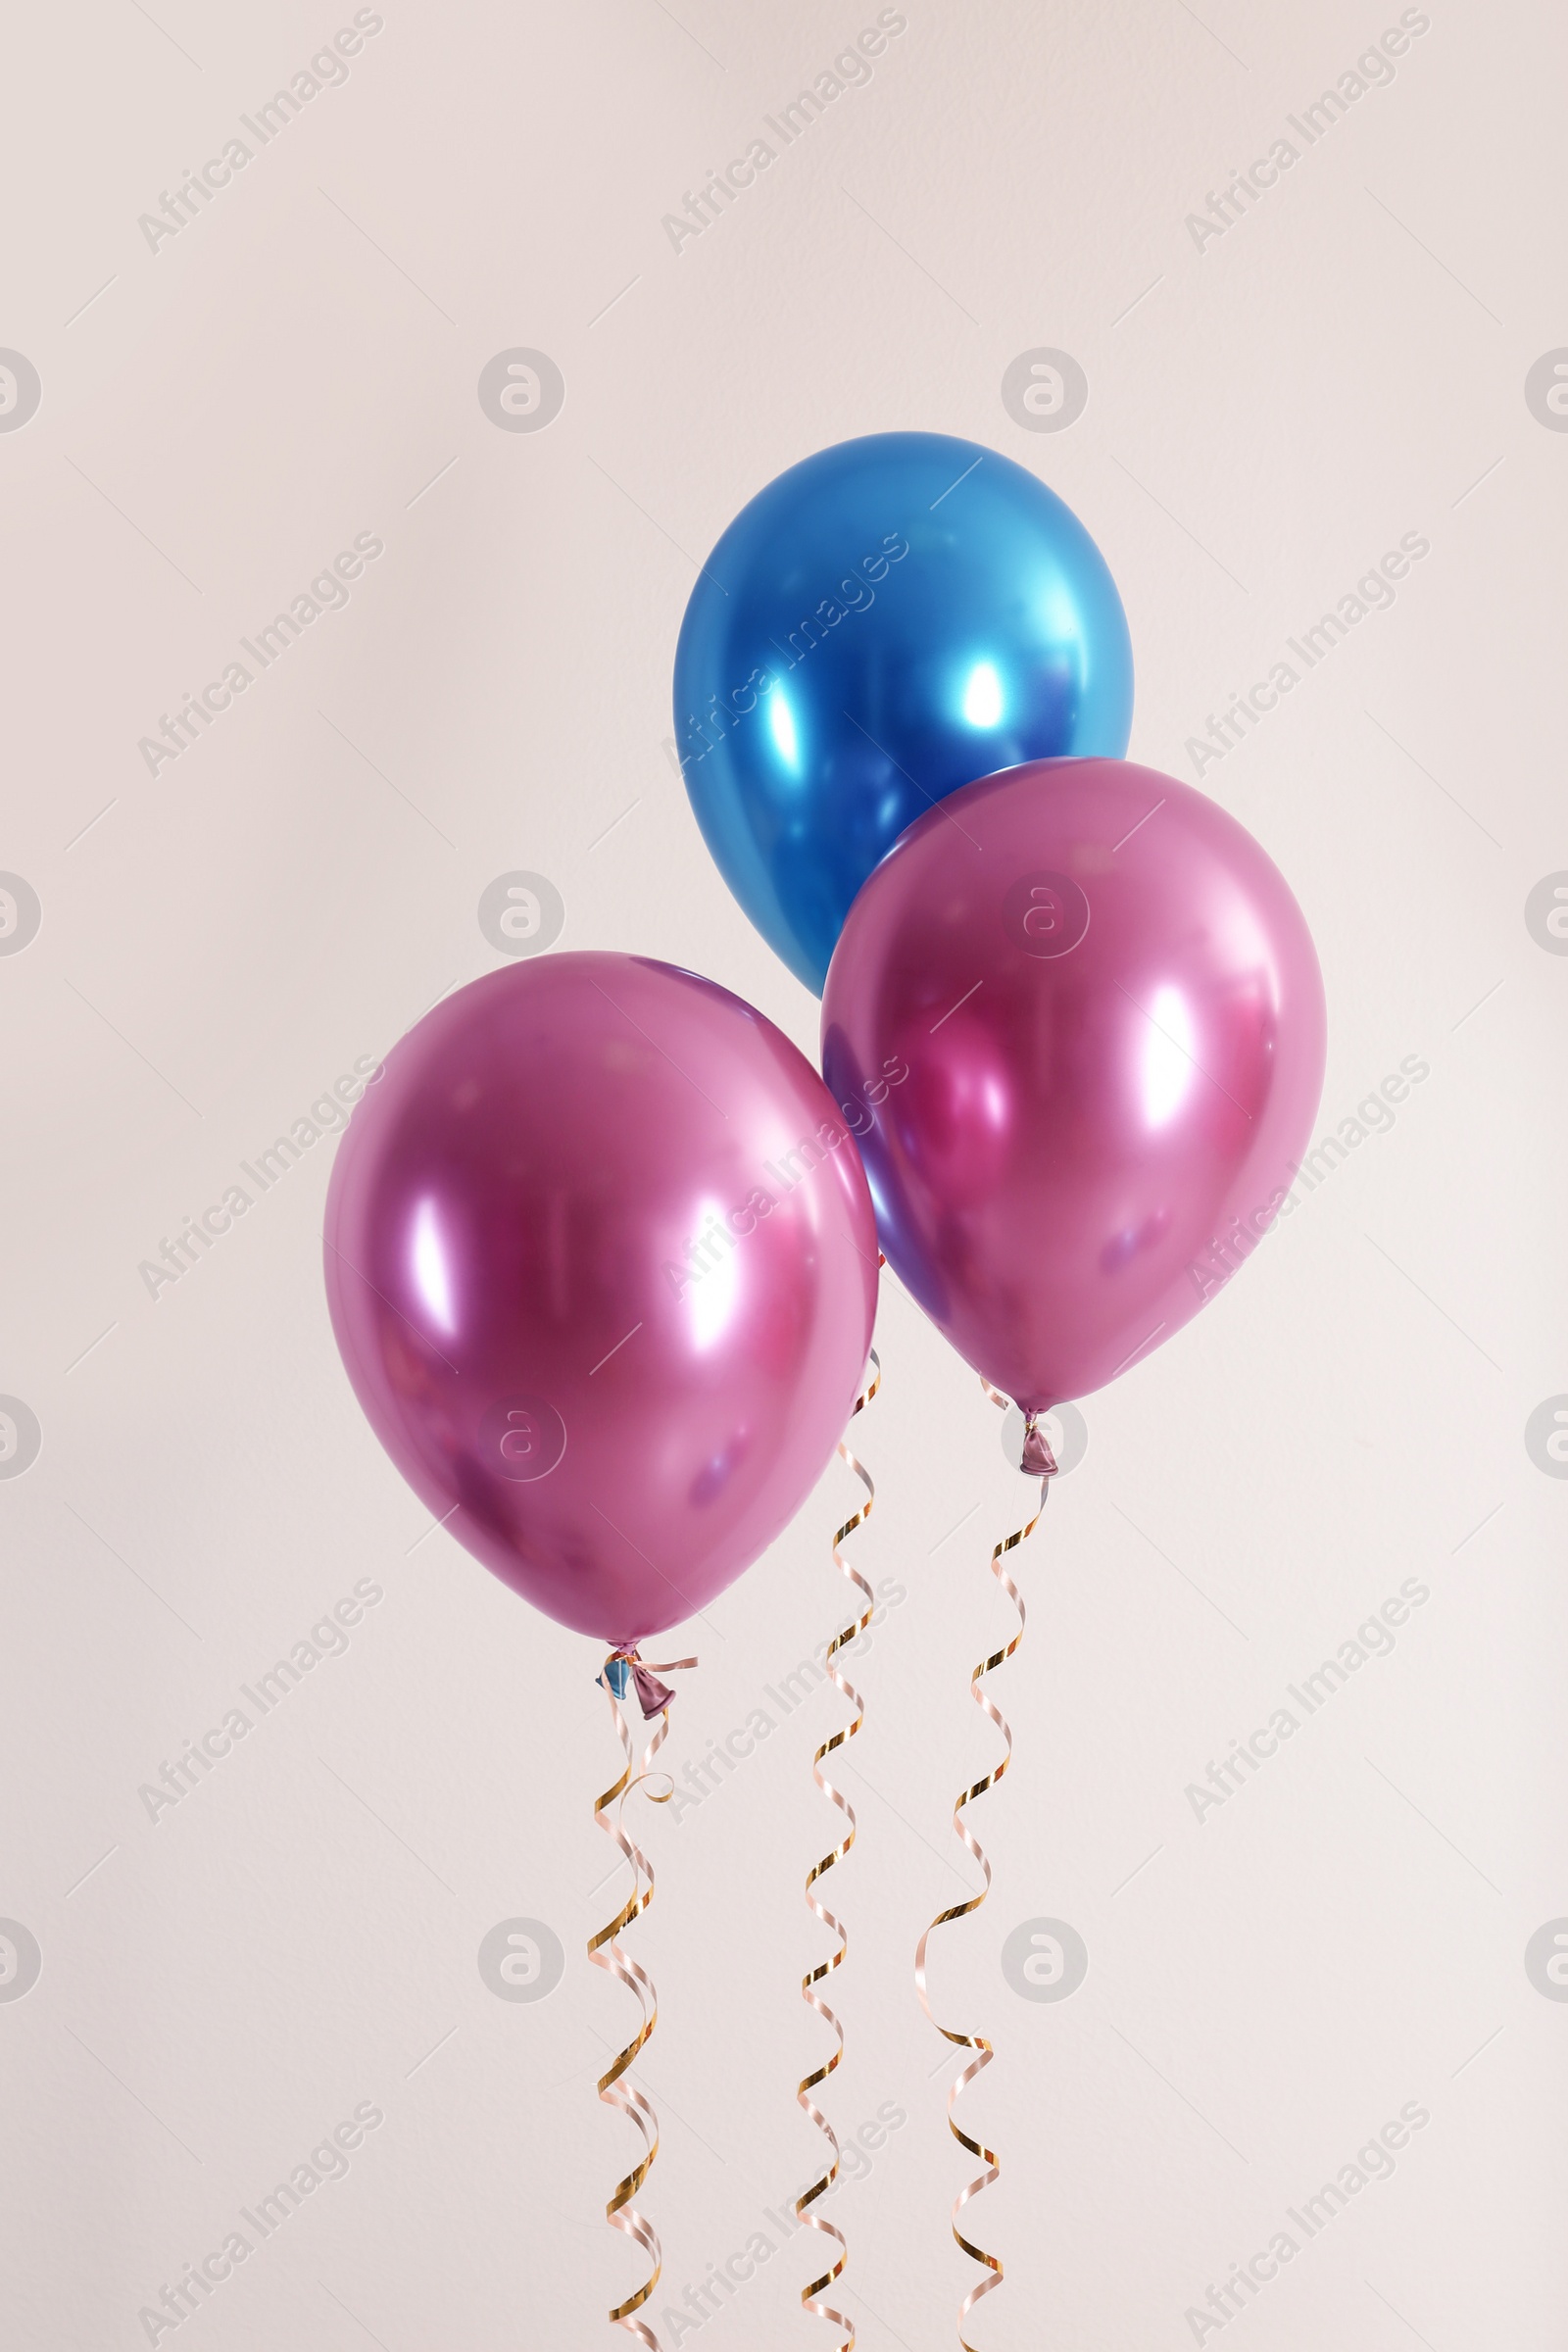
x: 623, y: 1668
x: 1038, y: 1459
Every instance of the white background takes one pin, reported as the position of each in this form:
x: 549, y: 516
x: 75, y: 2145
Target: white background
x: 1266, y: 416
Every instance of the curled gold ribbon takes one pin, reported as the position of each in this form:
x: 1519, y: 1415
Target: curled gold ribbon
x: 811, y: 2295
x: 977, y: 2041
x: 622, y: 1666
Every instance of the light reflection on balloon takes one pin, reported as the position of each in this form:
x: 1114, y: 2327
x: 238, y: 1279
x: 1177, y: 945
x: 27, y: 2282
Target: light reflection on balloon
x: 714, y: 1294
x: 982, y: 695
x: 431, y: 1276
x: 1168, y: 1065
x: 781, y: 726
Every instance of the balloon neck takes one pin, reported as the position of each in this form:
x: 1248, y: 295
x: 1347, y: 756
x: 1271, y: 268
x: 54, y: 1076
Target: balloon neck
x: 1038, y: 1459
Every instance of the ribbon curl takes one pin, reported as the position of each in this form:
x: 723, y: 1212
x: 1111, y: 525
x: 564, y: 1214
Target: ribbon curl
x: 1039, y: 1462
x: 812, y: 2294
x: 621, y: 1668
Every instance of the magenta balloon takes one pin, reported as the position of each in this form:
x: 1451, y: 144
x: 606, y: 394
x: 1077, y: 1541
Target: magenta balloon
x: 1112, y: 1020
x: 601, y: 1267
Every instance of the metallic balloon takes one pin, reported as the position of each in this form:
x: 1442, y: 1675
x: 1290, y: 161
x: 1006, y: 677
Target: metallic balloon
x: 886, y: 622
x: 1112, y: 1020
x: 603, y: 1269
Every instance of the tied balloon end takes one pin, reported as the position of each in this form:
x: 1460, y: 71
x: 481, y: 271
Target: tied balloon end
x: 623, y: 1670
x: 1038, y: 1460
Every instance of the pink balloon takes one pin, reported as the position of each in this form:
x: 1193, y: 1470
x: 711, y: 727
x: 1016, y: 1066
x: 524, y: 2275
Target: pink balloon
x: 602, y: 1268
x: 1112, y: 1020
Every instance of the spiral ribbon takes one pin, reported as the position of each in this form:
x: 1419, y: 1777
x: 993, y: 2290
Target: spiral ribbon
x: 623, y: 1669
x: 811, y: 2296
x: 1038, y: 1461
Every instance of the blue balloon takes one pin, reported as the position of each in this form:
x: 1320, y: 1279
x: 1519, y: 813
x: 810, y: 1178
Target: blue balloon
x: 886, y: 622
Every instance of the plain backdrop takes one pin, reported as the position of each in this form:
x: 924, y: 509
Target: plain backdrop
x: 221, y: 411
